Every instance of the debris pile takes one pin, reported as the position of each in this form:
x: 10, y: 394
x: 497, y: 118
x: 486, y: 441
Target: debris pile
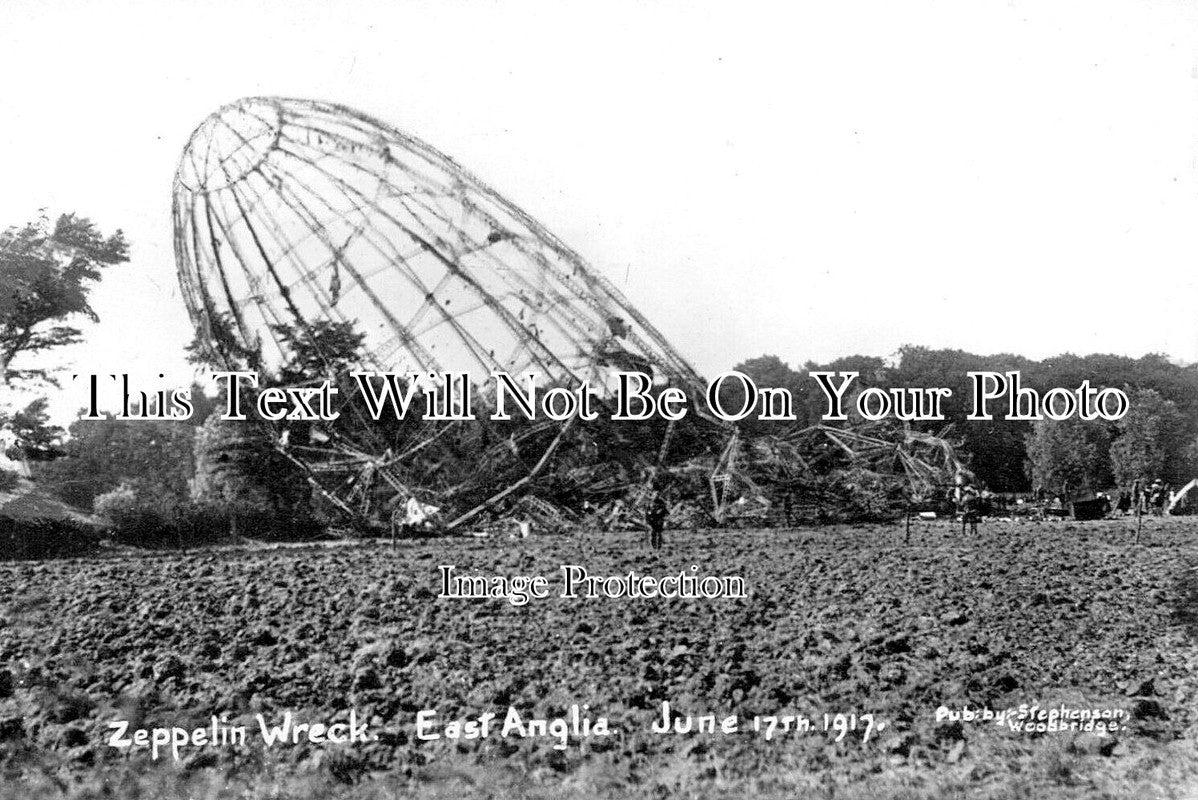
x: 311, y: 238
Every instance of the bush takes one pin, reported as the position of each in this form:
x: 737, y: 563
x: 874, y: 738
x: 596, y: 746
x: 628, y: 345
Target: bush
x: 9, y: 480
x: 146, y: 518
x: 239, y: 470
x: 137, y: 517
x: 45, y: 538
x: 104, y: 453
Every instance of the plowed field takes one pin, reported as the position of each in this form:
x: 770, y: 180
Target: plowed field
x: 845, y: 620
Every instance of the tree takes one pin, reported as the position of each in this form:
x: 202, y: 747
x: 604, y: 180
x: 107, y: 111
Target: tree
x: 766, y: 371
x: 1151, y: 442
x: 217, y: 346
x: 995, y: 449
x: 1069, y: 456
x: 239, y: 473
x: 153, y: 457
x: 324, y: 349
x: 46, y: 276
x: 38, y: 438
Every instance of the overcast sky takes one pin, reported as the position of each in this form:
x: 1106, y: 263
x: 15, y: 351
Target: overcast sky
x: 809, y: 181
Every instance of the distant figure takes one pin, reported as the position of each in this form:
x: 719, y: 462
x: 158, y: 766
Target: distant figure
x: 970, y: 508
x: 1158, y: 493
x: 956, y: 495
x: 656, y: 517
x: 1124, y: 504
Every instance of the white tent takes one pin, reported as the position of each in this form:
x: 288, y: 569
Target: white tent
x: 1190, y: 490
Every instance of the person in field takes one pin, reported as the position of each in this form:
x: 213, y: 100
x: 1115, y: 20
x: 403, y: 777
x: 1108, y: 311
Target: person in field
x: 656, y: 516
x: 970, y: 508
x: 966, y: 499
x: 1158, y: 493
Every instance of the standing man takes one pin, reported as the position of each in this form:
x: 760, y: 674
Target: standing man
x: 1160, y: 497
x: 971, y: 508
x: 656, y: 517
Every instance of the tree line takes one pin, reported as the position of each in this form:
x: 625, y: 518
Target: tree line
x: 166, y: 474
x: 1158, y: 438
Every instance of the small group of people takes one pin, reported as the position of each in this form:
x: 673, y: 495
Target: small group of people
x: 967, y: 500
x: 1145, y: 499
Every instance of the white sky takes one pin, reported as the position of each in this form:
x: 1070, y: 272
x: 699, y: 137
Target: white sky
x: 810, y: 181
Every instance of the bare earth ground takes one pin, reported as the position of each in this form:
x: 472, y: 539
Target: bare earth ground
x: 838, y: 619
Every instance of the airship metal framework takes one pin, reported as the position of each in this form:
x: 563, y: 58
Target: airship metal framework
x: 289, y: 213
x: 291, y: 216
